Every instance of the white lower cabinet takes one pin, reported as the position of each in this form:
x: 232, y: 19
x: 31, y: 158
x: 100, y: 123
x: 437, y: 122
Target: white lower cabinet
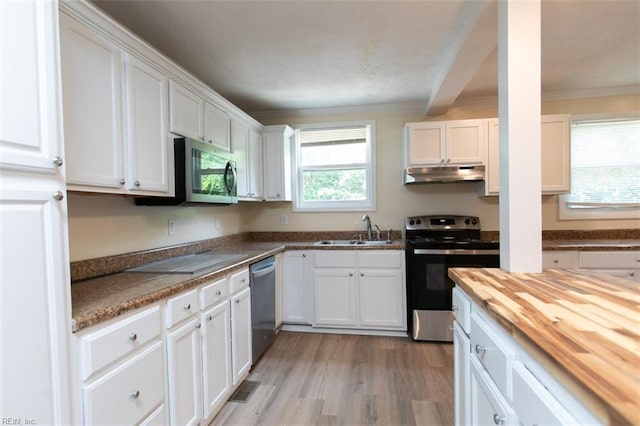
x: 359, y: 289
x: 241, y: 335
x: 185, y: 373
x: 295, y: 288
x: 621, y: 264
x: 216, y: 357
x: 122, y: 370
x: 498, y: 382
x: 559, y: 259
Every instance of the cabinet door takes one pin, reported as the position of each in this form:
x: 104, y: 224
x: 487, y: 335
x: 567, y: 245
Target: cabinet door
x: 240, y: 144
x: 555, y: 139
x: 461, y: 376
x: 217, y: 126
x: 147, y: 128
x: 466, y: 141
x: 92, y: 97
x: 254, y: 178
x: 334, y: 297
x: 294, y: 291
x: 184, y: 374
x: 425, y: 143
x: 186, y: 111
x: 35, y: 302
x: 559, y: 259
x: 492, y: 170
x: 241, y: 334
x: 30, y: 86
x: 216, y: 357
x: 487, y: 405
x: 277, y: 163
x: 381, y: 298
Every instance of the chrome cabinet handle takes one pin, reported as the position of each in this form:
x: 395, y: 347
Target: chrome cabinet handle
x: 57, y: 161
x: 135, y: 394
x: 304, y: 255
x: 198, y: 325
x: 210, y: 317
x: 202, y: 139
x: 137, y: 183
x: 362, y: 274
x: 497, y: 419
x: 210, y: 141
x: 350, y: 274
x: 556, y: 261
x: 58, y: 196
x: 480, y: 349
x: 187, y: 306
x: 218, y: 293
x: 122, y: 181
x: 237, y: 300
x: 133, y: 337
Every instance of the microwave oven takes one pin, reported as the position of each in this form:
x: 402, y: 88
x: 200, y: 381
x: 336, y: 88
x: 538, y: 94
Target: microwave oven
x: 204, y: 174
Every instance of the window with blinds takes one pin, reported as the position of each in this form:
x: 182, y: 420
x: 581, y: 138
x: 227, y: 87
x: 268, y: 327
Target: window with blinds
x: 334, y: 164
x: 605, y: 170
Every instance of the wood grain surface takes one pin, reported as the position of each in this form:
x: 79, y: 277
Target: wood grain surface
x: 587, y: 323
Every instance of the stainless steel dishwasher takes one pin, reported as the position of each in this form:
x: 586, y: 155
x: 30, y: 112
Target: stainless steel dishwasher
x: 263, y: 305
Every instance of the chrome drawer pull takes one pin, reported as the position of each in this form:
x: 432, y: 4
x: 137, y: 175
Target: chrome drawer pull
x: 135, y: 394
x: 210, y: 317
x: 481, y: 349
x: 198, y: 325
x: 133, y: 337
x: 187, y: 306
x: 218, y: 293
x: 497, y: 419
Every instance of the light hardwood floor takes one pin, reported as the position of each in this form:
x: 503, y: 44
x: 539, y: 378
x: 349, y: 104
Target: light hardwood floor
x: 333, y: 379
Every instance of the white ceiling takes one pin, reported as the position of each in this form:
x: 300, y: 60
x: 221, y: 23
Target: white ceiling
x: 267, y: 56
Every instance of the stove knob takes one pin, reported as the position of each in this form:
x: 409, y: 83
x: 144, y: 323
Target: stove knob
x: 411, y: 222
x: 418, y: 221
x: 467, y: 221
x: 474, y: 221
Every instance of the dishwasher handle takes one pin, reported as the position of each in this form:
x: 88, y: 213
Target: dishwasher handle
x: 266, y: 269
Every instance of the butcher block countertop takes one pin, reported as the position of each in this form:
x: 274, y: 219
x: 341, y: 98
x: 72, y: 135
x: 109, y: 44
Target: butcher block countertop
x: 586, y: 324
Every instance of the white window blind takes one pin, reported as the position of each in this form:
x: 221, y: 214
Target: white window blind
x: 334, y: 164
x: 605, y: 165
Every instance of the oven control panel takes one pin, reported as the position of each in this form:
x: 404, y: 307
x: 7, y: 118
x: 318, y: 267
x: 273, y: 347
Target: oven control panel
x: 439, y: 222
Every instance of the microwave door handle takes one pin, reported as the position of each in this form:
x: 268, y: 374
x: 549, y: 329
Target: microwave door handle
x: 229, y: 167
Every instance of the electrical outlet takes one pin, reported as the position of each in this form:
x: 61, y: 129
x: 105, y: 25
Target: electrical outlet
x: 284, y: 219
x: 172, y: 226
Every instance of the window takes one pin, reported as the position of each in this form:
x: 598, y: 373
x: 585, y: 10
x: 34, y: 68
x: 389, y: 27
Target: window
x: 335, y: 167
x: 605, y: 170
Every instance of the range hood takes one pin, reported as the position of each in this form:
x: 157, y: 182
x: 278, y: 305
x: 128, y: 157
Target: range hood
x: 434, y: 174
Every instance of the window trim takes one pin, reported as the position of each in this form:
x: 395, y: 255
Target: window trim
x: 598, y: 213
x: 369, y: 204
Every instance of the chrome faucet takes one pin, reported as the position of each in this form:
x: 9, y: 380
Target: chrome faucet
x: 377, y: 232
x: 366, y: 218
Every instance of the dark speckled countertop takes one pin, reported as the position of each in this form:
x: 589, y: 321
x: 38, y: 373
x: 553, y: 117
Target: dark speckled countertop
x: 102, y: 289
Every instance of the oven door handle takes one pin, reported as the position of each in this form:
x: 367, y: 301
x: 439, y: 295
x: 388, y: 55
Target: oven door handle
x: 456, y: 251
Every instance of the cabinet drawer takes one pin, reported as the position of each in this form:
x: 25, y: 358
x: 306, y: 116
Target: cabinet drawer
x: 559, y: 259
x: 214, y: 292
x: 100, y: 348
x: 462, y: 309
x: 533, y: 402
x: 129, y: 393
x: 381, y: 260
x: 335, y: 259
x: 238, y: 280
x: 181, y: 307
x: 610, y: 259
x: 493, y: 352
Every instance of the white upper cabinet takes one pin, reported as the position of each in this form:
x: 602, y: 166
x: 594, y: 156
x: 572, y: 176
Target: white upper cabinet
x: 555, y: 159
x: 276, y: 151
x: 115, y: 115
x: 445, y: 142
x: 195, y: 117
x: 92, y: 97
x: 149, y: 150
x: 247, y: 150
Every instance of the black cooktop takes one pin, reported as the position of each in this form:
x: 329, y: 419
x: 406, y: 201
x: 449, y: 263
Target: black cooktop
x: 446, y: 232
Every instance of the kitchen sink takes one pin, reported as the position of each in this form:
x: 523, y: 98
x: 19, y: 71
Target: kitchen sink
x: 351, y: 243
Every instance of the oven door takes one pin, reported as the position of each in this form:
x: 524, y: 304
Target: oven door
x: 429, y: 288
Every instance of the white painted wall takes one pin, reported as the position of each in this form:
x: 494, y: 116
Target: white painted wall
x: 101, y: 225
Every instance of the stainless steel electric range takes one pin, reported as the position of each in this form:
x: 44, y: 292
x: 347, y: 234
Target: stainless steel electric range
x: 433, y: 245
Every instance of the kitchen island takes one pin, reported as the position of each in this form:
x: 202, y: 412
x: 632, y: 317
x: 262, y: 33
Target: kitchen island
x: 583, y: 327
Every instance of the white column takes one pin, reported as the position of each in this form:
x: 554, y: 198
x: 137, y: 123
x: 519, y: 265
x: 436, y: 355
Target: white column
x: 519, y: 114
